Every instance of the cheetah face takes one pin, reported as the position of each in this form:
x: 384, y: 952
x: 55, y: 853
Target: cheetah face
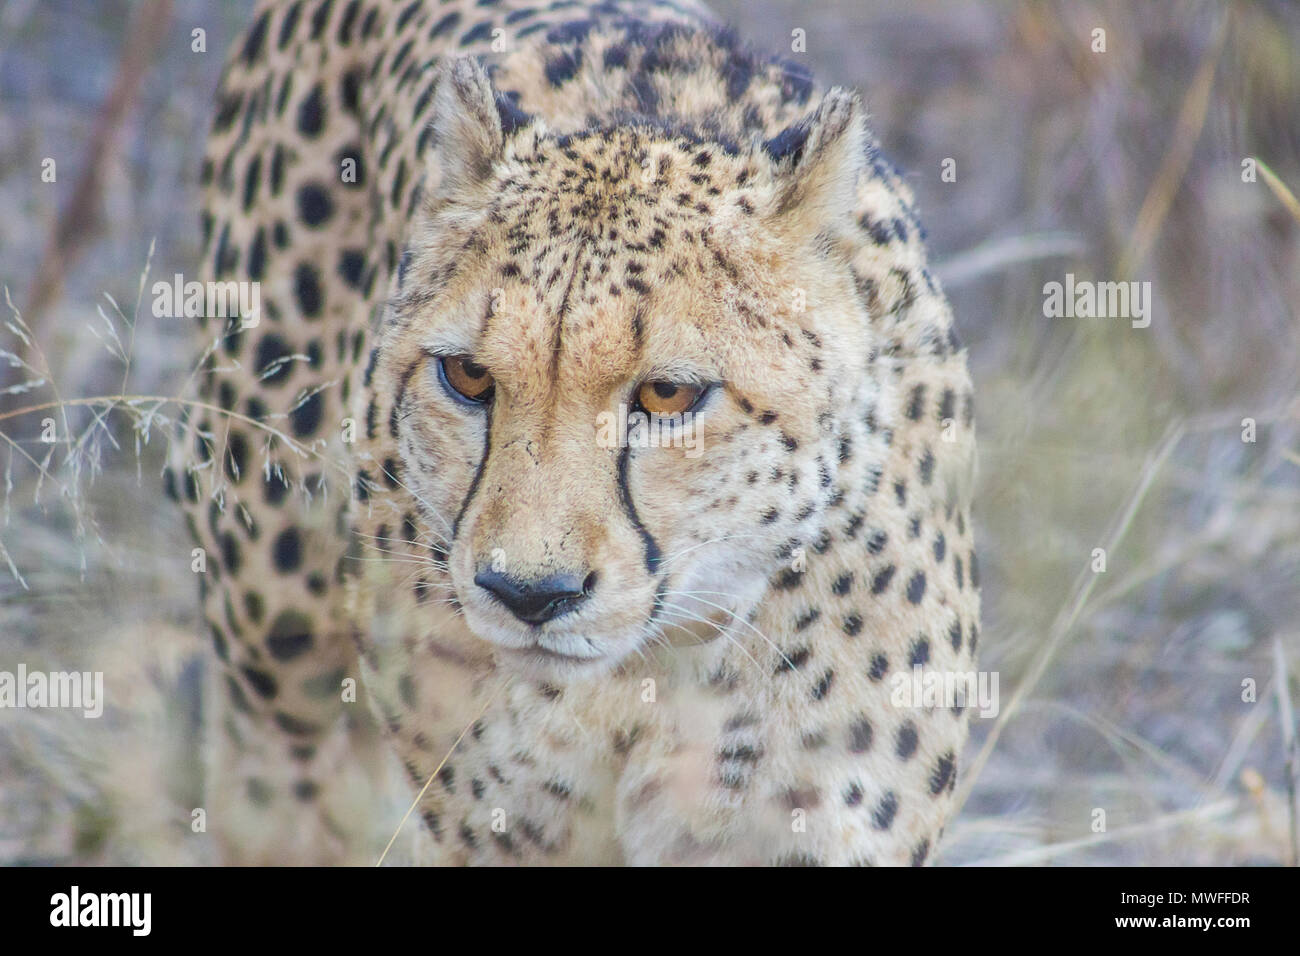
x: 559, y: 293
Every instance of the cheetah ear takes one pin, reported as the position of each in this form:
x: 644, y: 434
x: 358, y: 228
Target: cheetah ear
x: 471, y: 122
x: 816, y: 164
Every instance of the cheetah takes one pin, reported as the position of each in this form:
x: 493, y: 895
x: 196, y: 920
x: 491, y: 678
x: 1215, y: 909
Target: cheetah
x: 482, y: 231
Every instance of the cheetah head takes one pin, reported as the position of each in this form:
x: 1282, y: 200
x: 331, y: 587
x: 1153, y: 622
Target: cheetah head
x: 561, y: 298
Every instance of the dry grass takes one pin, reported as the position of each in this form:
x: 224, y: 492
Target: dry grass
x: 1122, y: 691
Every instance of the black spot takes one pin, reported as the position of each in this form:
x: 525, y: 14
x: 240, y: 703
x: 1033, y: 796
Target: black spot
x: 261, y: 682
x: 227, y: 110
x: 920, y: 853
x: 287, y: 551
x: 940, y: 547
x: 468, y: 836
x: 392, y: 470
x: 169, y: 485
x: 480, y: 31
x: 920, y: 653
x: 352, y: 264
x: 879, y: 667
x: 860, y: 735
x: 314, y: 204
x: 946, y: 403
x: 350, y: 91
x: 882, y: 579
x: 257, y: 255
x: 445, y: 25
x: 226, y: 256
x: 842, y: 583
x: 254, y: 607
x: 916, y: 587
x: 236, y: 456
x: 954, y: 635
x: 574, y: 32
x: 852, y: 624
x: 306, y: 417
x: 616, y: 56
x: 942, y: 773
x: 789, y: 143
x: 305, y: 790
x: 796, y: 82
x: 927, y: 467
x: 307, y: 289
x: 256, y: 37
x: 788, y: 580
x: 905, y: 742
x: 252, y: 181
x: 290, y: 635
x: 916, y: 402
x: 512, y: 117
x: 804, y: 620
x: 563, y: 66
x: 882, y: 818
x: 311, y: 113
x: 408, y: 14
x: 876, y: 229
x: 794, y: 660
x: 292, y: 725
x: 823, y: 686
x: 231, y: 558
x: 276, y: 488
x: 372, y: 410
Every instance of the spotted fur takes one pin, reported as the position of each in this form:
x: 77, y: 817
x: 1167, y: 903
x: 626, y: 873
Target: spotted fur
x: 582, y: 197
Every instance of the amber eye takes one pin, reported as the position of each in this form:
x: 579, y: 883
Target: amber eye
x: 667, y: 398
x: 466, y: 381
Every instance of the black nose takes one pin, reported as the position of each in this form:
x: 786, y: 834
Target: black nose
x: 540, y: 599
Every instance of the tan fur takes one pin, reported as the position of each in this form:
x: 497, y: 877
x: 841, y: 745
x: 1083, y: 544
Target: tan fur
x: 723, y: 694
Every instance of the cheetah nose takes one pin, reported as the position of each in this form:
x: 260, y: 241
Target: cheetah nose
x: 538, y: 600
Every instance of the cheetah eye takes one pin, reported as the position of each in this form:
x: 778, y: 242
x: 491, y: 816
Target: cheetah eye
x: 668, y: 398
x: 466, y: 381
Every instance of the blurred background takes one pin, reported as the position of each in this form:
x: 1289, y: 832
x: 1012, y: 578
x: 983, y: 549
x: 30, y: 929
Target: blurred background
x: 1170, y: 158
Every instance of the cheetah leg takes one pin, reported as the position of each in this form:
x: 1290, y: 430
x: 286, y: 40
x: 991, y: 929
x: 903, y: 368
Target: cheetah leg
x: 281, y: 798
x: 259, y: 467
